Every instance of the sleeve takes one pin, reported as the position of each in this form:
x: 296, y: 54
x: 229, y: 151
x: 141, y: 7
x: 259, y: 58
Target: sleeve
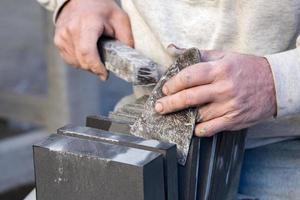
x: 53, y: 5
x: 285, y: 67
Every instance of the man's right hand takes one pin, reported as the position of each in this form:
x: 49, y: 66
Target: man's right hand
x: 79, y: 26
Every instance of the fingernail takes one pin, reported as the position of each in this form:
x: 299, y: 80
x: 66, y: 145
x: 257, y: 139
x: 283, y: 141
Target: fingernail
x: 202, y: 132
x: 165, y: 90
x: 102, y: 77
x: 159, y: 107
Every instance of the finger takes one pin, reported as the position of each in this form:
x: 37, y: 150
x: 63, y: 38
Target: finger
x: 187, y: 98
x: 71, y: 60
x: 108, y: 30
x: 195, y: 75
x: 211, y: 111
x: 65, y: 51
x: 122, y: 28
x: 212, y: 127
x: 175, y: 51
x: 211, y: 55
x: 87, y: 52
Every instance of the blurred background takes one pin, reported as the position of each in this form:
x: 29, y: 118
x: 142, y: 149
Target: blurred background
x: 38, y: 92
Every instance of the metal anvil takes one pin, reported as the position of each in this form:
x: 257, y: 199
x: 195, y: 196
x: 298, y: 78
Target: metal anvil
x: 102, y: 161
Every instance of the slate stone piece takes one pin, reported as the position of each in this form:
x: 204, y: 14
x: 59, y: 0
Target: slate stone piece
x: 69, y: 168
x: 176, y: 127
x: 167, y: 150
x: 221, y: 159
x: 213, y: 167
x: 106, y: 124
x: 188, y: 174
x: 128, y: 63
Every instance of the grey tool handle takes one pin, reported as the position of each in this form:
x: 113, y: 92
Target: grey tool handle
x: 127, y: 63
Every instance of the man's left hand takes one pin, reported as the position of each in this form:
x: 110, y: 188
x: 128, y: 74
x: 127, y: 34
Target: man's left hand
x: 233, y: 91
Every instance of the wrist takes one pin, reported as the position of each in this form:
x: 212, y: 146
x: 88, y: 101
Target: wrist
x: 60, y: 6
x: 271, y: 85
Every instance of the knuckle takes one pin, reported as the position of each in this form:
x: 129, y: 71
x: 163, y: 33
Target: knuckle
x: 64, y: 33
x: 229, y: 118
x: 237, y: 106
x: 187, y: 98
x: 226, y: 88
x: 171, y: 104
x: 97, y: 70
x: 210, y: 70
x: 58, y: 41
x: 185, y: 77
x: 224, y: 69
x: 73, y: 26
x: 234, y: 105
x: 84, y: 51
x: 229, y: 121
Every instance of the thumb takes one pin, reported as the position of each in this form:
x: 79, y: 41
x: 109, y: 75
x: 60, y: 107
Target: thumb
x: 211, y: 55
x: 122, y: 29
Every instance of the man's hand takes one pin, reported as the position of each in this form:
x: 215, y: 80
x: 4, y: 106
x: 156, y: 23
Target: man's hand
x: 79, y: 26
x: 234, y: 91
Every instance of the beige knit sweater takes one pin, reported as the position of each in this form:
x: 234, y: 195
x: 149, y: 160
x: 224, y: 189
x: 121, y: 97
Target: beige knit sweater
x: 259, y: 27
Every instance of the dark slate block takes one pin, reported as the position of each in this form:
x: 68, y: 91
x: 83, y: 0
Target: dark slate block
x: 106, y: 124
x: 221, y: 159
x: 167, y: 150
x: 213, y: 167
x: 69, y: 168
x: 188, y: 174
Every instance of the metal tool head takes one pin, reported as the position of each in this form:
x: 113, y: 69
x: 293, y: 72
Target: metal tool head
x: 128, y: 63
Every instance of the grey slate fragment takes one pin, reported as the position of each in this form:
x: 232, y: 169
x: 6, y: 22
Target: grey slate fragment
x: 69, y: 168
x: 167, y: 150
x: 104, y: 123
x: 213, y: 167
x: 176, y: 127
x: 221, y: 158
x: 129, y: 113
x: 128, y: 63
x: 188, y: 174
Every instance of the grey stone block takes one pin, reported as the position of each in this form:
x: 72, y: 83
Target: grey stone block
x: 69, y: 168
x: 167, y: 150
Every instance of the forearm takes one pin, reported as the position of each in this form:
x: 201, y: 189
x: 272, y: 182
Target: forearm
x: 286, y: 72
